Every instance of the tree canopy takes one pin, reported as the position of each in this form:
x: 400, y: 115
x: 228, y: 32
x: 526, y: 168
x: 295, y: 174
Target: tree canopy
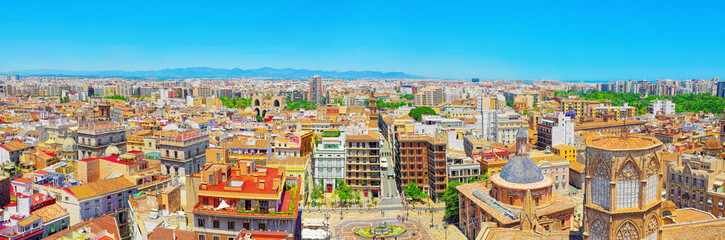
x: 414, y: 192
x: 300, y: 104
x: 236, y: 102
x: 450, y: 197
x: 417, y: 112
x: 383, y: 104
x: 684, y: 102
x: 407, y: 96
x: 343, y: 192
x: 117, y: 97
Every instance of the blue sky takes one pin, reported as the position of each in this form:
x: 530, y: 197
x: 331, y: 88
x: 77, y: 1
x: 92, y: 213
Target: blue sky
x: 566, y: 40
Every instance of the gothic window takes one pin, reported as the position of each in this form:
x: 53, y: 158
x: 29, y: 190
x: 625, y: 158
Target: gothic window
x: 597, y: 231
x: 627, y: 232
x: 652, y: 179
x: 600, y: 186
x: 652, y: 228
x: 627, y: 187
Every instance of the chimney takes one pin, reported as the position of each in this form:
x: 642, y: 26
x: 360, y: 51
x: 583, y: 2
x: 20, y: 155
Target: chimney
x: 262, y: 184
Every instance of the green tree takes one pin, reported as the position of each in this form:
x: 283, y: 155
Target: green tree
x: 317, y: 193
x: 417, y: 112
x: 323, y: 101
x: 117, y: 97
x: 408, y: 96
x: 237, y: 102
x: 413, y: 191
x: 450, y: 197
x: 343, y: 192
x: 300, y: 105
x: 684, y: 102
x: 260, y: 118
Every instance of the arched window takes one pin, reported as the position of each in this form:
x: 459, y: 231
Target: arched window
x: 600, y: 186
x: 652, y: 181
x: 598, y: 231
x: 627, y: 232
x: 652, y: 228
x: 628, y: 186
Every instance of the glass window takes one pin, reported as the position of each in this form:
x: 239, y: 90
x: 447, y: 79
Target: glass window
x: 627, y: 187
x: 600, y: 186
x: 652, y: 188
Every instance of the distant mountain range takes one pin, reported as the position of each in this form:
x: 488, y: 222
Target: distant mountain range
x: 206, y: 72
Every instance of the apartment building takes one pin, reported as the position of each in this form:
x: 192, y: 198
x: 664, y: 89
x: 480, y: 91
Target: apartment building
x: 230, y: 199
x: 411, y: 163
x: 103, y: 197
x: 580, y: 107
x: 437, y: 166
x: 94, y: 138
x: 362, y: 168
x: 182, y: 152
x: 554, y: 129
x: 460, y: 168
x: 661, y: 106
x: 429, y: 96
x: 689, y: 179
x: 506, y: 125
x: 616, y: 112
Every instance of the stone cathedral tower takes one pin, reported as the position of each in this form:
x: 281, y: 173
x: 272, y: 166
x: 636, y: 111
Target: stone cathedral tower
x: 623, y: 188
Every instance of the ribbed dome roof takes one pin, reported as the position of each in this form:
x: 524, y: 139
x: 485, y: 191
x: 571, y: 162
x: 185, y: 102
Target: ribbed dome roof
x: 68, y: 145
x: 713, y: 144
x: 570, y: 114
x: 521, y: 169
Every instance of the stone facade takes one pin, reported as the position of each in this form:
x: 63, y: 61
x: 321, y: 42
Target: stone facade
x: 94, y: 138
x: 183, y: 154
x: 623, y: 186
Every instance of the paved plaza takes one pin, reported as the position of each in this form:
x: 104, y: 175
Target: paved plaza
x: 418, y: 224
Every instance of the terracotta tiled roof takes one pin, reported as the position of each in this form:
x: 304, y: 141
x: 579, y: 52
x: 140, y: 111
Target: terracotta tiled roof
x: 96, y: 225
x: 100, y: 187
x: 50, y: 213
x: 14, y: 145
x: 577, y: 167
x: 162, y: 233
x: 371, y: 136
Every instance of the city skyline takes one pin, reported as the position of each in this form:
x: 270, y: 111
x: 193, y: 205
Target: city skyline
x: 566, y: 41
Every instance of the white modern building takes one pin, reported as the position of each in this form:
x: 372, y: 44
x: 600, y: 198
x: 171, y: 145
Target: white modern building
x: 661, y: 106
x: 328, y: 162
x: 554, y: 129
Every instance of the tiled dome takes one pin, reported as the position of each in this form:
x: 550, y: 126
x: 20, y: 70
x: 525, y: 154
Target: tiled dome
x: 570, y: 114
x: 521, y: 169
x: 713, y: 144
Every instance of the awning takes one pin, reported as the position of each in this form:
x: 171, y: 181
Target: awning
x: 222, y: 205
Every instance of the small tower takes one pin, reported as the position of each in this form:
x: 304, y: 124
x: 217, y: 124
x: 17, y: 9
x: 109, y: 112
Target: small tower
x: 521, y: 138
x: 104, y: 109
